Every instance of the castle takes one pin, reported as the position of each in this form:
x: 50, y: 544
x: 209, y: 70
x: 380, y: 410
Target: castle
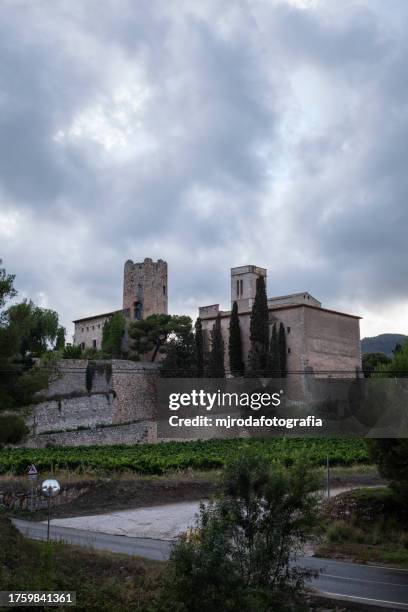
x: 144, y: 293
x: 319, y: 341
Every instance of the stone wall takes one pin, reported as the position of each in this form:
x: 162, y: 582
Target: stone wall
x: 71, y: 413
x: 133, y: 433
x: 17, y: 496
x: 96, y: 402
x: 317, y: 339
x: 134, y: 384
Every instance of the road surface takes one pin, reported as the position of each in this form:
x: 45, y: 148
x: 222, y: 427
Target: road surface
x: 375, y: 585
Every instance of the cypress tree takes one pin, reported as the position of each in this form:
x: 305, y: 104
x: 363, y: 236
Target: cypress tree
x: 216, y: 357
x: 236, y: 362
x: 274, y: 356
x: 282, y: 350
x: 199, y: 343
x: 259, y: 331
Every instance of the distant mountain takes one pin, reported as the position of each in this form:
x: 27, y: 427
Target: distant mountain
x: 384, y: 343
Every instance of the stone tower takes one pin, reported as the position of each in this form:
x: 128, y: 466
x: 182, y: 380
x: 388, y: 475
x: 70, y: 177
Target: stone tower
x: 243, y: 285
x: 145, y: 288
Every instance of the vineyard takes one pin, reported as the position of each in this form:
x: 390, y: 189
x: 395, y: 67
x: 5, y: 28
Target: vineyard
x: 170, y: 456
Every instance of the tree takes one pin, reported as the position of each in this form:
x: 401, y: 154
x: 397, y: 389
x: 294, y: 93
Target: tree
x: 216, y: 357
x: 236, y: 361
x: 372, y: 361
x: 391, y: 457
x: 37, y: 328
x: 60, y: 341
x: 150, y: 335
x: 24, y: 332
x: 282, y: 350
x: 180, y: 360
x: 259, y: 331
x: 242, y: 555
x: 199, y: 342
x: 397, y: 367
x: 397, y: 348
x: 7, y: 290
x: 274, y: 364
x: 112, y: 335
x: 72, y: 352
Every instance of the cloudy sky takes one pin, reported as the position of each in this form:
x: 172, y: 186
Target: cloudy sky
x: 210, y: 134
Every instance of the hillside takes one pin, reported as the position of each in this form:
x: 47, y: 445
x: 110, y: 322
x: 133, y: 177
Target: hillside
x: 384, y: 343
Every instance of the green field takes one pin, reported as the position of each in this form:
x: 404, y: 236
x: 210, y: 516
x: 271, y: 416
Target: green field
x: 170, y: 456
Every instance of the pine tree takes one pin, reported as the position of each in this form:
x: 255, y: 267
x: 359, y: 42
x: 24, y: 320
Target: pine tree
x: 274, y: 364
x: 180, y: 360
x: 216, y: 357
x: 259, y: 331
x: 199, y: 343
x: 282, y: 350
x: 236, y: 362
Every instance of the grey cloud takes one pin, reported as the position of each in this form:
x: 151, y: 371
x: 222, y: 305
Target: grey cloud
x: 222, y: 164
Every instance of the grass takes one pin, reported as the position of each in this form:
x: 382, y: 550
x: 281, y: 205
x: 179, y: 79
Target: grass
x: 102, y: 581
x: 366, y: 526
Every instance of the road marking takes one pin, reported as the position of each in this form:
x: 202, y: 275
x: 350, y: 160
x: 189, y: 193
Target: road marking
x: 394, y: 603
x: 362, y: 580
x: 384, y: 567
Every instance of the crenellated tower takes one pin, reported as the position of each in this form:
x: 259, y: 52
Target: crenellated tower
x: 145, y: 288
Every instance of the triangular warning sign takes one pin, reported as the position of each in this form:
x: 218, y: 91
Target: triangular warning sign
x: 32, y: 470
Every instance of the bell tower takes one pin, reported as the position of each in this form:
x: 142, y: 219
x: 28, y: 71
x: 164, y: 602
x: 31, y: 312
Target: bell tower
x: 243, y: 285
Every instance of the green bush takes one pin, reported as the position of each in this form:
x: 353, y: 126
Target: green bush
x: 242, y: 556
x: 340, y: 531
x: 12, y: 429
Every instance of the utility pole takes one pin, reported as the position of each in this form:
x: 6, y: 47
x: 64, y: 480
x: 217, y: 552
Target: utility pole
x: 328, y: 477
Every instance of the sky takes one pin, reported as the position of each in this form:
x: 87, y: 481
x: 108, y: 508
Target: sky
x: 209, y: 134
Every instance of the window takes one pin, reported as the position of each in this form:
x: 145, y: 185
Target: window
x: 164, y: 289
x: 240, y: 288
x: 93, y: 326
x: 99, y: 327
x: 82, y: 330
x: 289, y: 350
x: 87, y: 329
x: 82, y: 345
x: 94, y: 344
x: 138, y: 307
x: 288, y: 330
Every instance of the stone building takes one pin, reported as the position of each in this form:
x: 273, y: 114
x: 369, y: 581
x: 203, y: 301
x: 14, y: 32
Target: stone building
x: 145, y: 291
x: 320, y: 341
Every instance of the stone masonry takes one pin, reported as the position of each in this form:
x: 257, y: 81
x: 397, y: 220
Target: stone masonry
x: 319, y: 341
x: 145, y: 288
x: 145, y: 292
x: 96, y: 402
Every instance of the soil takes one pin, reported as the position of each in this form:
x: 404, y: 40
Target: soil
x: 109, y: 495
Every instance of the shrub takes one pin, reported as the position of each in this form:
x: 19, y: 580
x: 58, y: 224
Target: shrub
x: 12, y: 429
x: 340, y: 531
x: 243, y: 552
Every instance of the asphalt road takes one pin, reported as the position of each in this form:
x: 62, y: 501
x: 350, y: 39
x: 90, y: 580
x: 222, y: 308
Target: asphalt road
x: 375, y: 585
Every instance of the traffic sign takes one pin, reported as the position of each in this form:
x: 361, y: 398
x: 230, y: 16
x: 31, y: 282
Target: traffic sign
x: 32, y: 472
